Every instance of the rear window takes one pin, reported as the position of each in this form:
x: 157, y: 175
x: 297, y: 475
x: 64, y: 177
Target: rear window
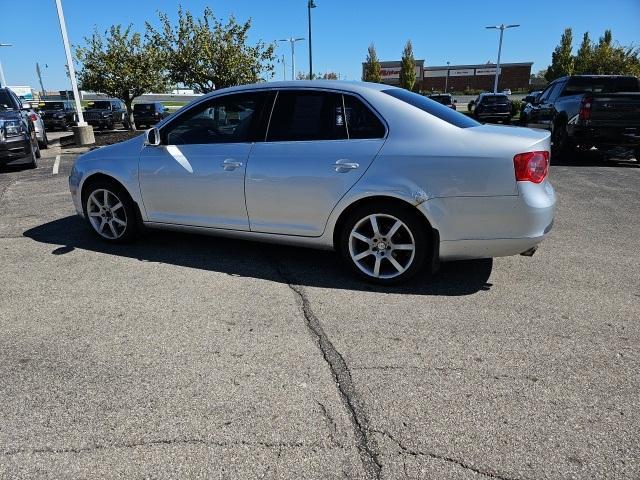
x: 434, y: 108
x: 53, y: 106
x: 495, y: 99
x: 577, y: 85
x: 143, y: 107
x: 100, y: 105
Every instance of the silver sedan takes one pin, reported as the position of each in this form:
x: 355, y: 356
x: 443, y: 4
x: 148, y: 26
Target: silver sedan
x: 390, y: 179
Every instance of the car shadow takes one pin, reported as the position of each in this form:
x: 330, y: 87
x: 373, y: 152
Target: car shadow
x: 617, y: 157
x: 284, y: 264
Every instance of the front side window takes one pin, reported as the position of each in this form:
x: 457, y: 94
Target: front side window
x: 300, y: 115
x: 229, y: 119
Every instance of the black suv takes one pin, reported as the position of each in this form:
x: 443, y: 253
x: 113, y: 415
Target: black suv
x: 18, y: 141
x: 149, y: 113
x: 106, y: 113
x: 58, y: 114
x: 490, y: 107
x: 445, y: 99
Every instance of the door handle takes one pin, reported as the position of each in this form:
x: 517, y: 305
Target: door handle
x: 230, y: 164
x: 344, y: 165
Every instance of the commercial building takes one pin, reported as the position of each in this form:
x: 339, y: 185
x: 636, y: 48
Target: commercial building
x: 514, y: 76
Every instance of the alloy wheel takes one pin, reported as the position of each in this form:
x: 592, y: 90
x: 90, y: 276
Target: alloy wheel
x: 382, y: 246
x: 107, y: 214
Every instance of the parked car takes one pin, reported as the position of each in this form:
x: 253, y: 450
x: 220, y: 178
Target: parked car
x: 527, y: 101
x: 492, y: 107
x: 58, y: 114
x: 18, y: 141
x: 589, y: 111
x: 106, y: 113
x: 149, y: 113
x: 445, y: 99
x: 389, y: 178
x: 507, y: 91
x: 38, y: 125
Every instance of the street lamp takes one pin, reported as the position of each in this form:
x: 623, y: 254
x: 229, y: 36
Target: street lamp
x: 292, y: 41
x: 446, y: 82
x: 502, y: 27
x: 310, y: 5
x: 4, y: 80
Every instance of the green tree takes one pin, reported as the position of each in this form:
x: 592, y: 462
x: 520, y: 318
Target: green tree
x: 562, y: 58
x: 408, y: 67
x: 371, y: 71
x: 121, y: 64
x: 584, y: 57
x: 205, y: 53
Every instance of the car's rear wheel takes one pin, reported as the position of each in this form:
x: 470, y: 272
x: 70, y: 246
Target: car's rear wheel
x: 384, y: 244
x: 110, y: 211
x: 45, y: 141
x: 560, y: 144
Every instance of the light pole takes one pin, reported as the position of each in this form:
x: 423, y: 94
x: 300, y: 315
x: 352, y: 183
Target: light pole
x: 82, y: 132
x: 292, y: 41
x: 446, y: 82
x: 502, y: 27
x: 4, y: 80
x: 310, y: 5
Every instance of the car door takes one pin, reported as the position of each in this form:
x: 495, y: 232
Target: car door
x: 318, y: 145
x: 196, y: 175
x: 546, y: 109
x: 534, y: 111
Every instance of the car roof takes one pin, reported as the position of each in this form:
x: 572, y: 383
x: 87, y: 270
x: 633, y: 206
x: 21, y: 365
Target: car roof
x: 348, y: 86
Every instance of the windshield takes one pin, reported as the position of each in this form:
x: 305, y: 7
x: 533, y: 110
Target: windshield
x: 100, y: 105
x: 602, y: 85
x: 5, y: 101
x: 53, y: 106
x: 434, y: 108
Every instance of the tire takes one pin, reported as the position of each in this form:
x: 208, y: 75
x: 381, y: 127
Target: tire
x: 507, y: 121
x: 111, y: 225
x: 560, y: 140
x: 637, y: 154
x: 45, y: 143
x: 111, y: 126
x: 393, y: 265
x: 64, y: 127
x: 34, y: 154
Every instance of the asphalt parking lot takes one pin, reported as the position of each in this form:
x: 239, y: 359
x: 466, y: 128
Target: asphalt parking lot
x: 182, y: 356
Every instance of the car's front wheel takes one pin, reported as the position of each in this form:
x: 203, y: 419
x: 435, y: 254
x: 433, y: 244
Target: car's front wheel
x: 110, y: 211
x: 384, y: 244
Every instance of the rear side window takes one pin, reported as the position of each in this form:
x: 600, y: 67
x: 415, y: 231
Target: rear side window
x: 307, y: 115
x: 361, y: 121
x: 577, y: 85
x: 434, y: 108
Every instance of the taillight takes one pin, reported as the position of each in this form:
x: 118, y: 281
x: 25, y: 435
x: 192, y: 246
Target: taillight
x: 585, y: 109
x: 531, y: 166
x: 33, y: 117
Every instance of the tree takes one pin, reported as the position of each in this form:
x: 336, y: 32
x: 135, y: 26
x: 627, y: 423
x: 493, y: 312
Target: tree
x: 584, y: 56
x: 325, y: 76
x: 121, y: 64
x: 408, y: 67
x: 205, y: 54
x: 562, y: 58
x: 371, y: 71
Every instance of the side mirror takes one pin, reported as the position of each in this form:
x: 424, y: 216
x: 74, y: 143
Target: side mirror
x: 26, y: 106
x: 152, y: 137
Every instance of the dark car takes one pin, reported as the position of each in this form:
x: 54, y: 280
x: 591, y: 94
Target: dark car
x: 527, y: 102
x: 444, y: 99
x: 589, y: 111
x: 492, y: 107
x: 18, y: 141
x: 106, y: 113
x: 149, y: 113
x: 58, y: 114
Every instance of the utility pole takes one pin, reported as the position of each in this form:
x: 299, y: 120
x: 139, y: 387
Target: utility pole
x: 83, y: 132
x: 292, y: 41
x: 310, y: 5
x: 446, y: 81
x: 2, y: 79
x: 284, y: 68
x: 40, y: 79
x: 502, y: 27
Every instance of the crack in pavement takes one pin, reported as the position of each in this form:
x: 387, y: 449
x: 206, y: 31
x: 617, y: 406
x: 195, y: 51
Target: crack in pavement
x: 333, y: 428
x: 187, y: 441
x: 342, y: 377
x: 437, y: 456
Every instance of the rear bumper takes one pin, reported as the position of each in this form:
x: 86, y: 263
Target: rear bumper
x: 54, y: 122
x: 605, y: 136
x: 484, y: 227
x: 15, y: 151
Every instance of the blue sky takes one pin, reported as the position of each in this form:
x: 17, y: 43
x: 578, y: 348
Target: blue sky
x: 342, y: 29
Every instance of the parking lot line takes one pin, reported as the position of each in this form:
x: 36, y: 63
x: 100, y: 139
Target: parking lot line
x: 56, y: 165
